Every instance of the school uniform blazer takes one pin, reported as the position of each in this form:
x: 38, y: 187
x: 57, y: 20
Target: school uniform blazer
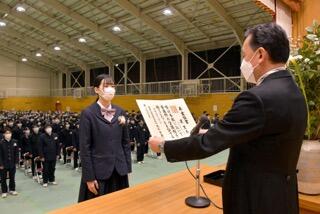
x: 104, y: 145
x: 49, y: 146
x: 264, y: 130
x: 9, y: 153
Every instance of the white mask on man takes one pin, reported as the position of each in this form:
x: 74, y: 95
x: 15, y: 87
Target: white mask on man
x: 247, y: 70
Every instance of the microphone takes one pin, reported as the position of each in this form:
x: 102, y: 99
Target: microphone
x: 202, y: 120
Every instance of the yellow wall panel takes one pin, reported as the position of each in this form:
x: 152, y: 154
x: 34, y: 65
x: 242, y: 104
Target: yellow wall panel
x: 24, y: 103
x: 197, y: 105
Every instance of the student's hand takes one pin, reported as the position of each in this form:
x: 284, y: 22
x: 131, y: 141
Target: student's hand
x: 93, y: 186
x: 1, y: 167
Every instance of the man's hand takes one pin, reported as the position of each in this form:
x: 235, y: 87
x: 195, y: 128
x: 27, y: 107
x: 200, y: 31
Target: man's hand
x: 154, y: 143
x: 93, y: 186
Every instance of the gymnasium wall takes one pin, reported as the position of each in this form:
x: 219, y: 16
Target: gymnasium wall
x: 15, y: 75
x: 221, y: 101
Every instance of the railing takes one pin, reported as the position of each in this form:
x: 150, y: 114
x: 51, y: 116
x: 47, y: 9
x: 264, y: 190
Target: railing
x: 201, y: 86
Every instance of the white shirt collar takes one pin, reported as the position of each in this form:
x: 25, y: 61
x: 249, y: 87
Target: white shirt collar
x: 101, y: 106
x: 260, y: 80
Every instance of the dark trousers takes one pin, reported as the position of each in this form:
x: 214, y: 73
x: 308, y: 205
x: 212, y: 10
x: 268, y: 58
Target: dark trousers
x: 75, y: 159
x: 49, y: 168
x: 12, y: 183
x: 146, y: 149
x: 132, y: 147
x: 65, y: 153
x: 140, y: 151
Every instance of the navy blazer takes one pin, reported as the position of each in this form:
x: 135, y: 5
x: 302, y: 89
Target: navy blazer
x: 104, y: 145
x: 264, y: 130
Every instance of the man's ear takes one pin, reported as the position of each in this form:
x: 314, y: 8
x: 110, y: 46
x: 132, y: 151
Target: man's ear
x: 262, y: 54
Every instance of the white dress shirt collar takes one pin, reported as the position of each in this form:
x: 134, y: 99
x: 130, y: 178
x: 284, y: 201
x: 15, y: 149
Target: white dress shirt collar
x: 260, y: 80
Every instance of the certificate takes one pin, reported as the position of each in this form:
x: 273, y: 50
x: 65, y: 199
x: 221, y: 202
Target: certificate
x: 169, y: 119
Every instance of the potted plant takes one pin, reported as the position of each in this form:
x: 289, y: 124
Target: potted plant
x: 305, y: 66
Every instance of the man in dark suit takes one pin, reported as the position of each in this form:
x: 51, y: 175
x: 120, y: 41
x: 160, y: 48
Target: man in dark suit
x: 264, y: 130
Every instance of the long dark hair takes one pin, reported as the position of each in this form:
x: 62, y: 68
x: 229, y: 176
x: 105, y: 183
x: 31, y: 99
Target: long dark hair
x: 102, y: 77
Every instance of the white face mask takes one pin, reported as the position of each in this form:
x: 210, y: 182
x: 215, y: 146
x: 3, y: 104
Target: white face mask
x: 247, y: 70
x: 67, y: 126
x: 19, y: 125
x: 7, y: 136
x: 36, y: 130
x: 49, y: 130
x: 27, y: 132
x: 108, y: 93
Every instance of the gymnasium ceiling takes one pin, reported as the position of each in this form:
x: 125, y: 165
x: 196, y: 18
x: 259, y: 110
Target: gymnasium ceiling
x: 145, y: 31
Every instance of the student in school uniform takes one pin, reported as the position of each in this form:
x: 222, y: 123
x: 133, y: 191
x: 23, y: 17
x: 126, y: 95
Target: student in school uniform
x: 8, y: 161
x: 49, y: 152
x: 66, y: 140
x: 35, y: 144
x: 132, y: 133
x: 142, y: 137
x: 76, y: 146
x: 17, y: 134
x: 104, y: 144
x: 26, y: 144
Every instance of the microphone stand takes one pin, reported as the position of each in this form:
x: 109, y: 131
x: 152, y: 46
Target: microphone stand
x: 197, y: 201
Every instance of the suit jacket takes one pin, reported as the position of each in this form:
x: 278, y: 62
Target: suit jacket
x: 9, y: 153
x: 104, y: 145
x: 264, y: 130
x: 49, y: 146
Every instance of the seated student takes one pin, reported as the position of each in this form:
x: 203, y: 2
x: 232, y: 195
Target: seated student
x: 49, y: 152
x: 8, y: 161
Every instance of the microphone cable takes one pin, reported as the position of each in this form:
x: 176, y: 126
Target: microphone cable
x: 204, y: 192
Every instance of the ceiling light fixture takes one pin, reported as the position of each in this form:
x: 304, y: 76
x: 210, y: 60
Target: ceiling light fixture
x: 3, y: 23
x: 116, y: 28
x: 38, y: 54
x: 20, y: 8
x: 82, y: 40
x: 23, y: 59
x: 167, y: 12
x: 57, y: 48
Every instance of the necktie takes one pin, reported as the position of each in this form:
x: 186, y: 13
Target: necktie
x: 108, y: 113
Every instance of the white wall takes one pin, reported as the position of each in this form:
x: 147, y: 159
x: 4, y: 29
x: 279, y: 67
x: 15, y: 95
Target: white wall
x: 20, y: 79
